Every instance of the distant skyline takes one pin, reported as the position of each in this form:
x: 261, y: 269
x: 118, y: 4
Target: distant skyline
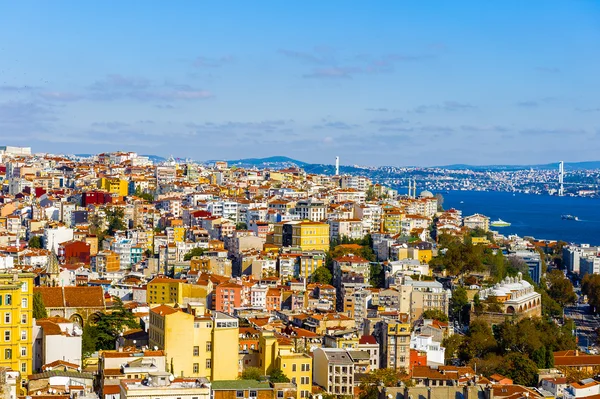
x: 378, y: 83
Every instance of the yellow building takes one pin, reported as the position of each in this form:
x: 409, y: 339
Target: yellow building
x: 169, y: 291
x: 179, y: 234
x: 205, y: 346
x: 307, y: 236
x: 392, y: 221
x: 311, y: 236
x: 278, y: 353
x: 16, y: 323
x: 114, y: 186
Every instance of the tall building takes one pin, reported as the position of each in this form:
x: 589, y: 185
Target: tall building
x: 196, y: 346
x: 394, y: 339
x: 278, y: 352
x: 16, y: 323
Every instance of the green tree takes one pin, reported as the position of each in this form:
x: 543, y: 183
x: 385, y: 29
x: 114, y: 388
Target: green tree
x: 114, y: 217
x: 539, y: 356
x: 194, y: 252
x: 89, y: 340
x: 108, y: 326
x: 590, y: 286
x: 145, y: 196
x: 458, y: 302
x: 452, y: 345
x: 35, y: 242
x: 370, y: 382
x: 560, y: 288
x: 276, y: 375
x: 377, y: 275
x: 39, y: 309
x: 435, y: 314
x: 521, y: 369
x: 479, y: 342
x: 322, y: 275
x: 252, y: 373
x: 241, y: 226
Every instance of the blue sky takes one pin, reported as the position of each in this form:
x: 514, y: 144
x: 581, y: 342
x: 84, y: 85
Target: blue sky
x: 375, y: 82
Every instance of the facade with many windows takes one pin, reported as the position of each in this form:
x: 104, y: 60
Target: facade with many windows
x: 16, y: 321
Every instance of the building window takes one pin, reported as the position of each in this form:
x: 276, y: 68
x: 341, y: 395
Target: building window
x: 7, y: 335
x: 196, y: 351
x: 23, y: 367
x: 196, y: 368
x: 208, y: 363
x: 8, y: 354
x: 23, y: 351
x: 24, y: 303
x: 279, y: 394
x: 239, y: 394
x: 293, y: 367
x: 253, y: 394
x: 7, y: 318
x: 8, y: 299
x: 23, y: 318
x: 24, y: 335
x: 209, y: 346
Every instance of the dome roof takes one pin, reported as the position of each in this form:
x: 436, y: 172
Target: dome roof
x: 426, y: 194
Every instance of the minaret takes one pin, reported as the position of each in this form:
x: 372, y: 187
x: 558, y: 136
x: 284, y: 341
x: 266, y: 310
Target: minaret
x: 561, y: 176
x: 337, y: 166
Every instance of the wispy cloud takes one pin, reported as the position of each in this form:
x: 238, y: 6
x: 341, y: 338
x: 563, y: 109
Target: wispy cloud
x: 552, y: 132
x: 597, y: 109
x: 116, y: 87
x: 328, y: 64
x: 446, y: 106
x: 339, y: 125
x: 60, y: 96
x: 212, y: 62
x: 377, y: 109
x: 111, y: 125
x: 547, y: 69
x: 390, y: 121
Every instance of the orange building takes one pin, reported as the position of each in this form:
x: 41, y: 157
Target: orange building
x: 228, y: 296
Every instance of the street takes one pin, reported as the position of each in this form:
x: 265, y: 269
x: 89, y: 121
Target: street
x: 586, y: 323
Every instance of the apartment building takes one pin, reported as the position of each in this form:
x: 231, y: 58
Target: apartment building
x: 196, y: 346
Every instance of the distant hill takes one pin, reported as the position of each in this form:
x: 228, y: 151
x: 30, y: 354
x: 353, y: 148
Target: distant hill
x: 275, y: 161
x: 568, y: 165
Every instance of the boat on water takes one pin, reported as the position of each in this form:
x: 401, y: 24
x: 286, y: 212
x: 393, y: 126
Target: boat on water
x: 569, y: 217
x: 499, y: 223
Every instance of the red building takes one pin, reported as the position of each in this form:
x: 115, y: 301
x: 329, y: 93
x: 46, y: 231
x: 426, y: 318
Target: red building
x: 228, y: 296
x: 417, y: 359
x: 96, y: 197
x: 75, y: 252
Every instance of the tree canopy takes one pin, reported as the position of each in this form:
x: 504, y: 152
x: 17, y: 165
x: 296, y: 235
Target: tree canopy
x: 560, y: 288
x: 106, y: 328
x: 194, y: 252
x: 322, y: 275
x: 276, y: 375
x: 39, y: 309
x: 590, y: 286
x: 35, y: 242
x: 435, y: 314
x: 252, y: 373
